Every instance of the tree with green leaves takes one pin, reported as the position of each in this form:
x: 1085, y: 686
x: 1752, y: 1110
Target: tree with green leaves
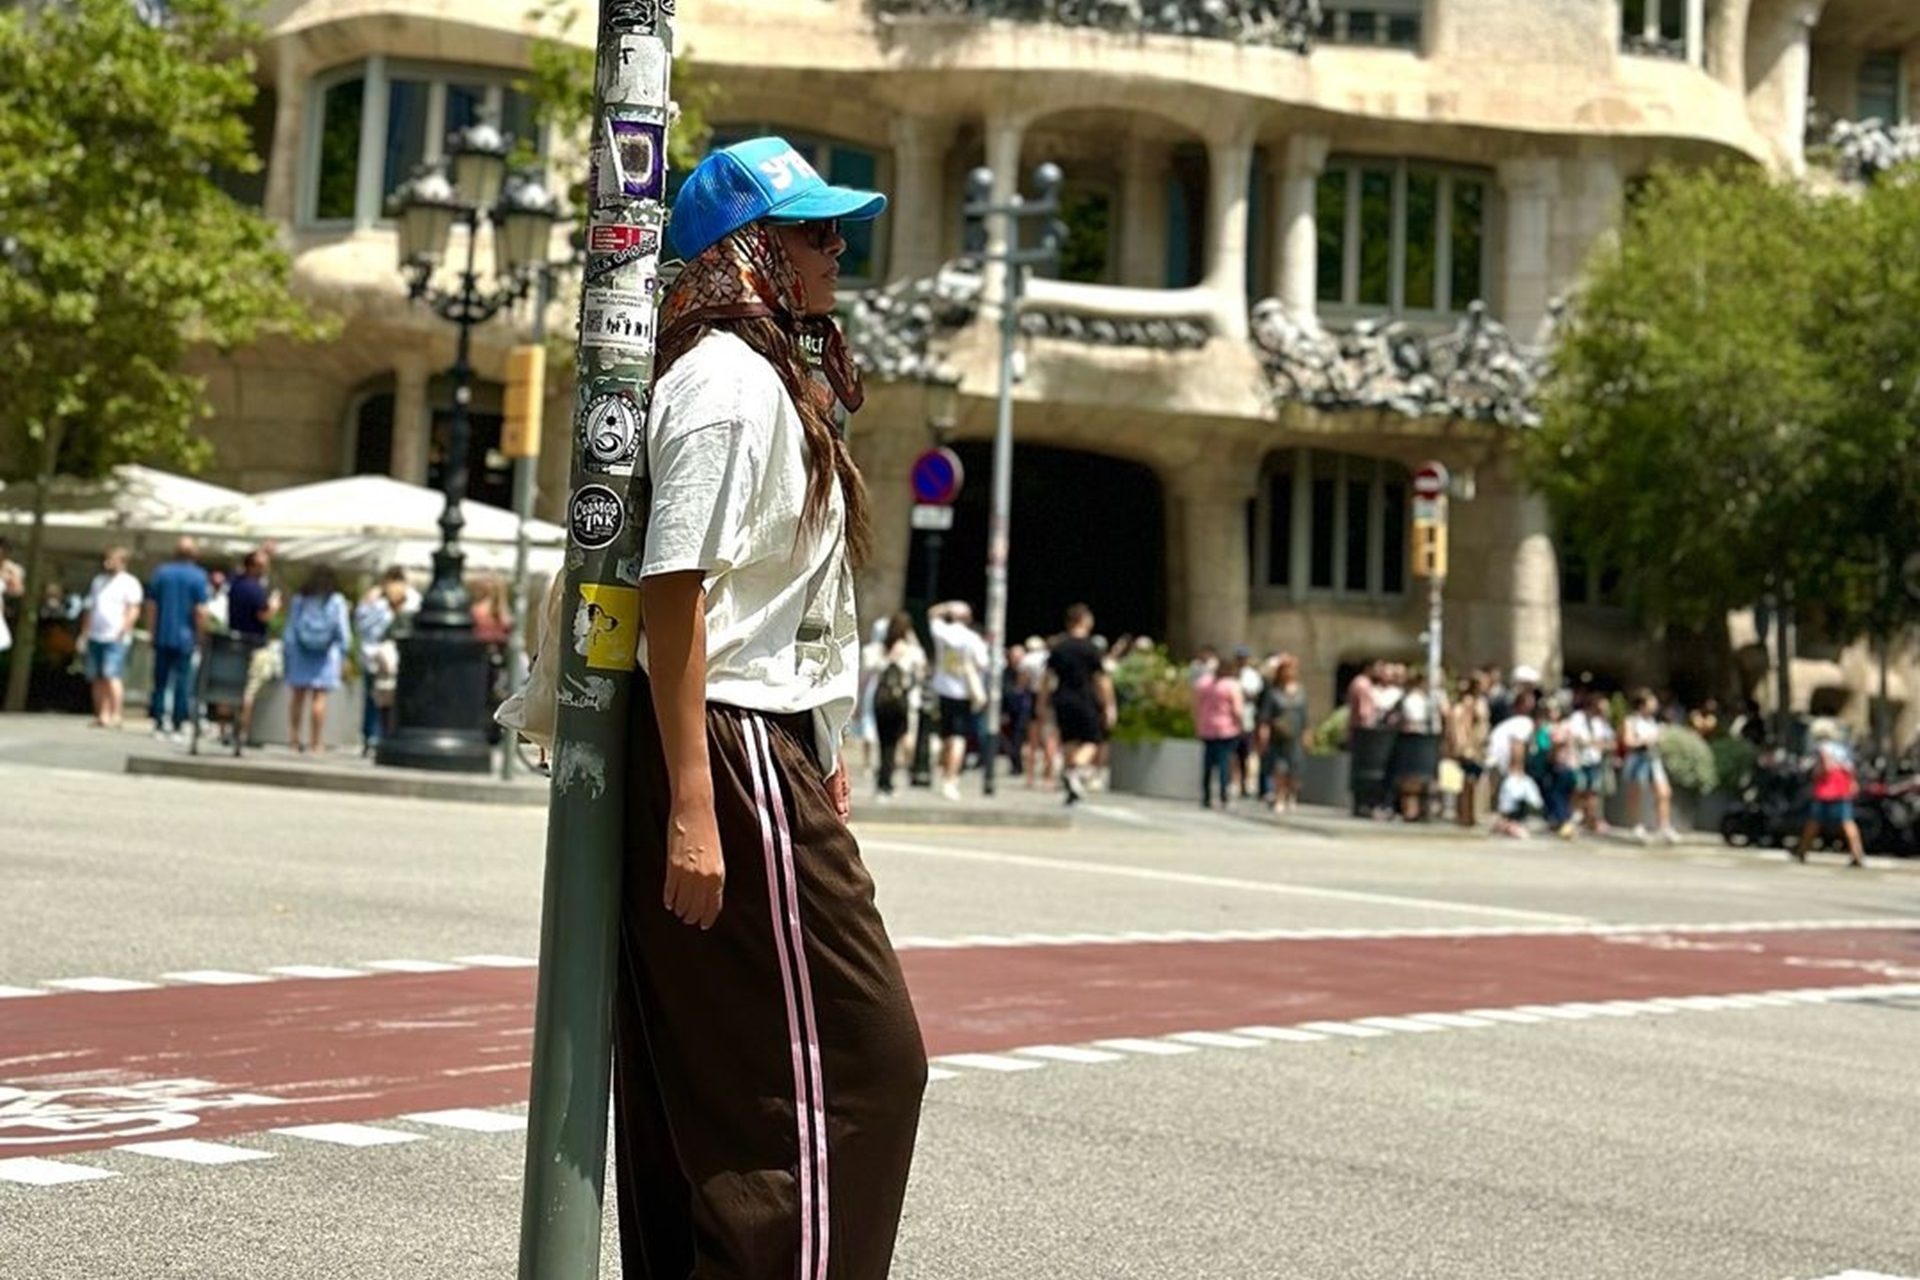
x: 118, y: 249
x: 1731, y: 410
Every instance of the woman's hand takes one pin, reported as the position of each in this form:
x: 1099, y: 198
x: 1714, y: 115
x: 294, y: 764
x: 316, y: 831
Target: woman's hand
x: 696, y: 869
x: 840, y: 790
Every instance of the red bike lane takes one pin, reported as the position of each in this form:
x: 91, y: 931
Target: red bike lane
x: 212, y: 1062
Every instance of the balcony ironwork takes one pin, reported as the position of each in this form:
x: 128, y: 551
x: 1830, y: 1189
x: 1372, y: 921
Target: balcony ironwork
x: 1281, y: 24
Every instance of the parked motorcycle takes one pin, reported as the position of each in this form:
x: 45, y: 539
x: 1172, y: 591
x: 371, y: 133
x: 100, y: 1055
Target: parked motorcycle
x: 1888, y: 812
x: 1773, y: 806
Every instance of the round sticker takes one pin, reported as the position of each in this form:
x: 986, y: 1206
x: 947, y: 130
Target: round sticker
x: 595, y: 516
x: 609, y: 429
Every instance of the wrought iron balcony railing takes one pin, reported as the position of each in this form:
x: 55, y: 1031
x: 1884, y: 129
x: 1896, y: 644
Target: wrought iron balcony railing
x: 1284, y: 24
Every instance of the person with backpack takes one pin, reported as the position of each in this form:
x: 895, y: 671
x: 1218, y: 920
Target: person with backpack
x: 315, y: 643
x: 896, y: 693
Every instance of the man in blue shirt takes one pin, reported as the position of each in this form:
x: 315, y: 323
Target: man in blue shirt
x: 176, y: 614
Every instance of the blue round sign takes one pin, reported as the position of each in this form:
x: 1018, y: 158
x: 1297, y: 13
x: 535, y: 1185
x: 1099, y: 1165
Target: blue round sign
x: 937, y: 477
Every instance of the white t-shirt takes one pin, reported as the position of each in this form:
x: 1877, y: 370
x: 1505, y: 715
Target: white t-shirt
x: 1251, y: 687
x: 1593, y: 735
x: 955, y: 644
x: 727, y: 453
x: 1500, y: 742
x: 1642, y: 732
x: 108, y: 600
x: 1414, y: 711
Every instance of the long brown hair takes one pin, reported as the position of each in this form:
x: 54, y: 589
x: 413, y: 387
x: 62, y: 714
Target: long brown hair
x: 827, y: 454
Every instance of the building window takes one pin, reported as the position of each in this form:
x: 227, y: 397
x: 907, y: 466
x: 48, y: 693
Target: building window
x: 1087, y: 255
x: 844, y: 164
x: 1331, y: 525
x: 402, y: 112
x: 1400, y: 237
x: 1394, y: 23
x: 1655, y: 28
x: 1585, y: 582
x: 1879, y: 93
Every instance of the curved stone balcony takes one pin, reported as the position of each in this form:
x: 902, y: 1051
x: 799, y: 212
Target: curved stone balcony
x: 1282, y: 24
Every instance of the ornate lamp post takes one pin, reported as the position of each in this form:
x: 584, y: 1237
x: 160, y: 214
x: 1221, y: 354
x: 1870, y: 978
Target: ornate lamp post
x: 441, y: 701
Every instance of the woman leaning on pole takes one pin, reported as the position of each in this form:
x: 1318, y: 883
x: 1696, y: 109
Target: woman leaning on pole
x: 768, y: 1065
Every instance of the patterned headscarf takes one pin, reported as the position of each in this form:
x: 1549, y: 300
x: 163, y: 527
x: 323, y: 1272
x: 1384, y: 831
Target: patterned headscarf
x: 747, y: 274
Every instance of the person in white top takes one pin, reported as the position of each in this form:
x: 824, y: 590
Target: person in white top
x: 112, y: 607
x: 960, y: 661
x: 1593, y: 741
x: 1644, y: 772
x: 768, y: 1063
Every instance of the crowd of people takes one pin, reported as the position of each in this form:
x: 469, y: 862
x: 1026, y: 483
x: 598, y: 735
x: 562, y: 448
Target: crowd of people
x: 307, y: 637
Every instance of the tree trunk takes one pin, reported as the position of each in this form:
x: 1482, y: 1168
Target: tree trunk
x: 1783, y: 668
x: 27, y: 640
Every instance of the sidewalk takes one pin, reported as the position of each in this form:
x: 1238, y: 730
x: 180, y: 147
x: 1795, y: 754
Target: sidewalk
x: 69, y: 742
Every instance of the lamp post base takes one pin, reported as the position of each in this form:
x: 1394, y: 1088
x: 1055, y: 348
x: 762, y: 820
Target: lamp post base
x: 440, y: 704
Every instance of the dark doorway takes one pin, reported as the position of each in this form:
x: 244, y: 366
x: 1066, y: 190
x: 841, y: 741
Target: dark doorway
x: 1086, y: 527
x: 489, y: 472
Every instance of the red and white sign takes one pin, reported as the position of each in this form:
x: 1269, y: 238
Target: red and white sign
x: 1430, y: 481
x: 622, y: 239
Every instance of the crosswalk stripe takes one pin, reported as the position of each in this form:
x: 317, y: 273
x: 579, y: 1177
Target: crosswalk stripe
x: 1397, y: 1024
x: 349, y: 1135
x: 988, y: 1062
x: 1450, y: 1020
x: 21, y: 993
x: 940, y: 1073
x: 414, y: 966
x: 1067, y: 1053
x: 470, y: 1119
x: 1152, y: 1048
x: 101, y: 985
x: 194, y: 1151
x: 499, y: 962
x: 1216, y: 1040
x: 1342, y: 1029
x: 1505, y: 1015
x: 215, y: 977
x: 35, y: 1172
x: 315, y: 971
x: 1286, y: 1035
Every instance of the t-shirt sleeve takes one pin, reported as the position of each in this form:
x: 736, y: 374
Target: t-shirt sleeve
x: 701, y: 441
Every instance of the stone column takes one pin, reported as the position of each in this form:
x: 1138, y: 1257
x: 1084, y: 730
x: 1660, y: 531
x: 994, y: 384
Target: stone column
x: 1209, y: 499
x: 1727, y: 36
x: 1696, y: 32
x: 283, y: 166
x: 1534, y: 602
x: 1006, y: 134
x: 1296, y: 278
x: 1530, y: 186
x: 1143, y: 215
x: 920, y: 212
x: 1229, y: 171
x: 412, y: 417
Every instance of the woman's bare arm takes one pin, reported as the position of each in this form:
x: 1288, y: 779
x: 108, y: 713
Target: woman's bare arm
x: 676, y: 616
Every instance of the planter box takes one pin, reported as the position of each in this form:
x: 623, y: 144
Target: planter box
x: 1327, y: 780
x: 1168, y: 769
x: 1691, y: 810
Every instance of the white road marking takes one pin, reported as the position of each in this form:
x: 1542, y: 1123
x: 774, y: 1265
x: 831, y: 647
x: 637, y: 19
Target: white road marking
x: 1865, y: 1275
x: 1067, y: 1053
x: 102, y: 985
x: 21, y: 993
x: 215, y: 977
x: 1504, y: 1015
x: 1459, y: 1020
x: 194, y: 1151
x: 1554, y: 1011
x: 1152, y: 1048
x: 1286, y: 1035
x: 988, y: 1062
x: 1342, y: 1029
x: 499, y: 962
x: 1216, y: 1040
x: 940, y: 1073
x: 1117, y: 814
x: 34, y: 1172
x: 315, y: 971
x: 474, y: 1121
x: 414, y: 966
x: 349, y: 1135
x: 1215, y: 882
x: 1397, y: 1024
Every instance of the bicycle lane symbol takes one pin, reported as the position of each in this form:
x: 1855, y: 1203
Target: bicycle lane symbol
x: 46, y: 1115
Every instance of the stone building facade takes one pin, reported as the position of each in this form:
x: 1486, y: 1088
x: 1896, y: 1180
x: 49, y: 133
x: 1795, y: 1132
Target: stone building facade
x: 1417, y: 172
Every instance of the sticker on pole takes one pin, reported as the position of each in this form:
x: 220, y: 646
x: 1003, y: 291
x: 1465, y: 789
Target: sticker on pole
x: 606, y: 628
x: 610, y: 433
x: 636, y: 15
x: 636, y: 73
x: 616, y: 318
x: 596, y: 516
x: 624, y: 258
x: 638, y: 151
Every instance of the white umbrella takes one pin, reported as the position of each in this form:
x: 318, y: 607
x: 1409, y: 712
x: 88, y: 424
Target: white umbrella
x: 132, y: 504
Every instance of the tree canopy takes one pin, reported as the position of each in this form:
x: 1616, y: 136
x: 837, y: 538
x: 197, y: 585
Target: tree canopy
x: 1734, y: 402
x: 118, y: 248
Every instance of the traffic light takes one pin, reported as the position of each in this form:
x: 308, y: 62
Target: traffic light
x: 1430, y: 548
x: 526, y: 392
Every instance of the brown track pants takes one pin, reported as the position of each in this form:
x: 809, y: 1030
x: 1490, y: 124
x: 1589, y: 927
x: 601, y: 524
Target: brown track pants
x: 767, y: 1072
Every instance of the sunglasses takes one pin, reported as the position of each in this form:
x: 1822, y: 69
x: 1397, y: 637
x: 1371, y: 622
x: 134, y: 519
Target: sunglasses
x: 820, y: 232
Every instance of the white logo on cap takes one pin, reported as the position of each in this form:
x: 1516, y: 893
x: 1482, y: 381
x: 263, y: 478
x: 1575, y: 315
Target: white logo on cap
x: 782, y: 169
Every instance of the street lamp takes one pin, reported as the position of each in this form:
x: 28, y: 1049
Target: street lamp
x: 441, y: 700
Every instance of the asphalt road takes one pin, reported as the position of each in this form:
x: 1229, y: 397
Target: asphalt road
x: 1769, y: 1138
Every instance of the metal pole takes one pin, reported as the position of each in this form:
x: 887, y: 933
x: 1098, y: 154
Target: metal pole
x: 1436, y: 619
x: 572, y: 1042
x: 523, y: 487
x: 1783, y: 675
x: 1002, y: 507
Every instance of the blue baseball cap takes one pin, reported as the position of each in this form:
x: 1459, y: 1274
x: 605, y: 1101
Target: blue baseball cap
x: 759, y: 179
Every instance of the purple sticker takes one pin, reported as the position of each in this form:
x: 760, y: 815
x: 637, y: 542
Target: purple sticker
x: 639, y: 151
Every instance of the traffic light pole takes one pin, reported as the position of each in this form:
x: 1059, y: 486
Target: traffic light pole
x: 1015, y: 260
x: 572, y: 1046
